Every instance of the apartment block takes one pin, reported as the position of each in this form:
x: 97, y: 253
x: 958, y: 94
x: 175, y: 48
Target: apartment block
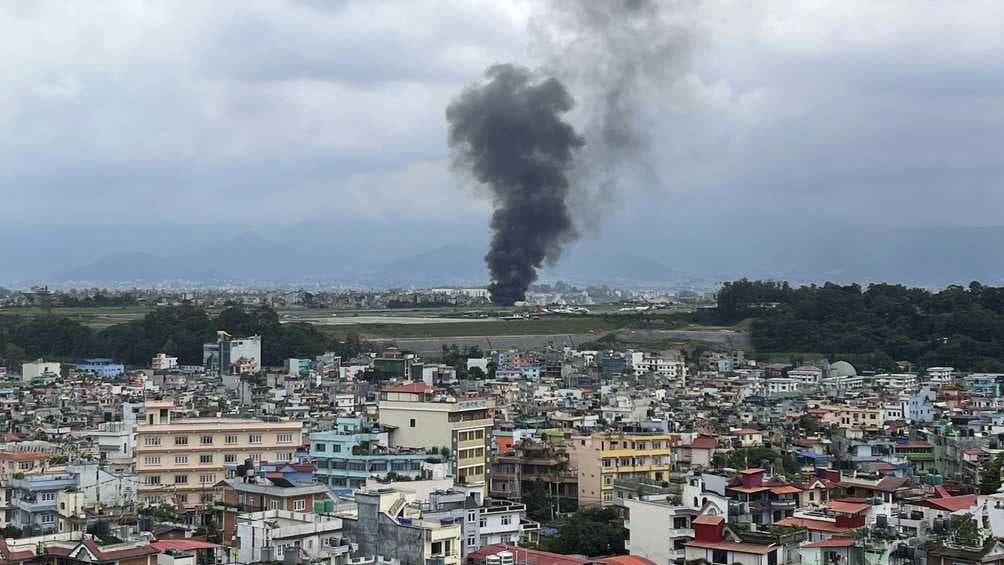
x: 181, y: 460
x: 604, y: 458
x: 419, y: 416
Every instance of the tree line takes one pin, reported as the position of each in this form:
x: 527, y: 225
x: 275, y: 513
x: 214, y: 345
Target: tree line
x: 877, y: 325
x: 175, y: 330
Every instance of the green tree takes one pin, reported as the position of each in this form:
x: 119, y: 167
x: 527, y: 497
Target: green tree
x: 990, y: 475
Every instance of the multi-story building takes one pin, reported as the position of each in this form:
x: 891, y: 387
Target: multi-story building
x: 349, y: 455
x: 603, y: 458
x: 101, y: 367
x: 283, y: 535
x: 113, y: 439
x: 763, y: 502
x: 162, y: 362
x: 35, y: 502
x: 385, y: 525
x: 530, y: 466
x: 422, y: 417
x: 257, y: 494
x: 484, y: 522
x: 39, y: 369
x: 180, y: 461
x: 228, y: 355
x: 658, y: 530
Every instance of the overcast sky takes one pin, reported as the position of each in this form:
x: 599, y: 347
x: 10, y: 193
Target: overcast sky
x: 259, y: 113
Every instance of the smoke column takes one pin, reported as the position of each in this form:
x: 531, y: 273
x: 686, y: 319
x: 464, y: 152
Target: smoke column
x: 509, y: 132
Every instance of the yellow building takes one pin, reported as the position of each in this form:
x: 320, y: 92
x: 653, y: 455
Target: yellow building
x: 420, y: 417
x: 602, y: 459
x: 180, y: 460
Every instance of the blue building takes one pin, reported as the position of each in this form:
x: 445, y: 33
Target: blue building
x: 103, y: 368
x: 351, y: 454
x: 35, y: 499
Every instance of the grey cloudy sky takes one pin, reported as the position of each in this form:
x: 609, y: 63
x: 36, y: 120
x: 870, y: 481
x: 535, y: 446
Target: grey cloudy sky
x: 265, y: 114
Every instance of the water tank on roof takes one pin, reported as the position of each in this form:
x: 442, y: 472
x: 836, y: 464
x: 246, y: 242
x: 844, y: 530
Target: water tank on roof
x: 493, y: 560
x: 506, y: 558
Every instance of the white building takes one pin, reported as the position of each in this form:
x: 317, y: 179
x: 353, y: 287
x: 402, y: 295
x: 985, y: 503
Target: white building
x: 895, y: 381
x: 230, y: 355
x: 162, y: 362
x: 39, y: 369
x: 114, y: 439
x: 781, y: 385
x: 270, y: 535
x: 658, y: 530
x: 806, y: 375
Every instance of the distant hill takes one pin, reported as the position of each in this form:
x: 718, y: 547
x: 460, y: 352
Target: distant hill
x: 449, y: 265
x: 132, y: 267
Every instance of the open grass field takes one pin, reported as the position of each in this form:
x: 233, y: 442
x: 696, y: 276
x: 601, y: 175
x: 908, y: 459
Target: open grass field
x: 94, y: 317
x: 556, y: 325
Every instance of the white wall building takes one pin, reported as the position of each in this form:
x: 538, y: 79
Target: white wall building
x: 39, y: 369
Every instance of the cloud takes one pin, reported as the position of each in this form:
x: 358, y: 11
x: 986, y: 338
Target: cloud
x: 852, y: 113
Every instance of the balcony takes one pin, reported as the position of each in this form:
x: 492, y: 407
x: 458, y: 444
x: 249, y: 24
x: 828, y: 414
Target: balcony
x: 34, y: 504
x: 783, y: 504
x: 681, y: 533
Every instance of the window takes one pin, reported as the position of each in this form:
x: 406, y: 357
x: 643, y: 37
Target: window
x: 205, y: 497
x: 254, y: 438
x: 319, y: 447
x: 284, y: 438
x: 273, y: 504
x: 812, y: 495
x: 183, y: 497
x: 25, y: 465
x: 206, y: 440
x: 772, y: 558
x: 151, y: 500
x: 299, y: 504
x: 472, y: 541
x: 255, y: 457
x: 48, y: 518
x: 482, y: 523
x: 47, y: 496
x: 151, y: 440
x: 207, y: 479
x: 180, y: 440
x: 231, y: 439
x: 506, y: 520
x: 472, y: 516
x: 206, y: 459
x: 151, y: 460
x: 180, y: 459
x: 287, y: 456
x: 337, y: 448
x: 719, y: 556
x: 181, y: 479
x: 151, y: 480
x: 230, y: 458
x: 411, y: 423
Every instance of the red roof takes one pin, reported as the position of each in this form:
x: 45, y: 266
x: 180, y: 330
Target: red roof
x: 704, y: 442
x: 915, y: 445
x: 627, y: 560
x: 708, y: 520
x: 952, y: 503
x: 753, y: 471
x: 7, y: 555
x: 832, y: 542
x: 809, y: 524
x: 848, y: 507
x: 785, y: 489
x: 737, y: 547
x: 182, y: 544
x: 530, y: 556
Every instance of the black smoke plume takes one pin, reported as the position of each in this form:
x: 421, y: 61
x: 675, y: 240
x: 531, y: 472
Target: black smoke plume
x: 509, y: 133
